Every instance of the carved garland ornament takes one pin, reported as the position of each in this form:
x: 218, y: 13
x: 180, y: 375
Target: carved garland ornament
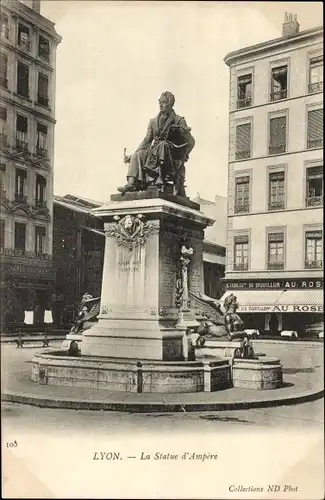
x: 130, y: 231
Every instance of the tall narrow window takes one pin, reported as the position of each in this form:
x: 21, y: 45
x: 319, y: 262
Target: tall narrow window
x: 3, y: 70
x: 313, y: 249
x: 40, y: 195
x: 276, y: 191
x: 315, y: 129
x: 243, y: 141
x: 24, y: 37
x: 21, y: 132
x: 40, y: 234
x: 41, y: 142
x: 42, y: 93
x: 241, y: 253
x: 20, y: 185
x: 316, y: 74
x: 2, y: 234
x: 244, y: 91
x: 4, y: 25
x: 275, y: 258
x: 242, y: 194
x: 279, y: 83
x: 3, y: 127
x: 2, y: 181
x: 314, y: 187
x: 44, y: 48
x: 20, y: 237
x: 22, y: 79
x: 278, y: 135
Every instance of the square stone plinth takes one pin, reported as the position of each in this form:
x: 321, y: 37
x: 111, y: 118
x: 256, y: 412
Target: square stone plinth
x: 141, y: 265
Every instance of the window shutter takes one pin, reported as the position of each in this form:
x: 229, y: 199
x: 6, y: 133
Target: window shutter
x: 315, y: 128
x: 313, y: 235
x: 275, y: 237
x: 243, y: 141
x: 314, y: 173
x: 278, y: 131
x: 241, y: 239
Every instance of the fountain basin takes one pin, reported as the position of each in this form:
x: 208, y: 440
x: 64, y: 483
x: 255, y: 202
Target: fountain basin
x: 130, y: 375
x: 257, y: 373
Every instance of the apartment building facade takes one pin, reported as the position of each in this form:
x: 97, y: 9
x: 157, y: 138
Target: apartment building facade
x: 28, y: 43
x: 275, y: 182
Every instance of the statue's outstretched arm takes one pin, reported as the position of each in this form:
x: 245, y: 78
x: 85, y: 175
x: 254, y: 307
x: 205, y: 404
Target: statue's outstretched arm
x: 147, y: 140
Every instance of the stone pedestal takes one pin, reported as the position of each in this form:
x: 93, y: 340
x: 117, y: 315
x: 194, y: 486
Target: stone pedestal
x: 144, y: 233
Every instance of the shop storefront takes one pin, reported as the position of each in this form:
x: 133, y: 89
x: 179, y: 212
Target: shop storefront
x: 276, y: 305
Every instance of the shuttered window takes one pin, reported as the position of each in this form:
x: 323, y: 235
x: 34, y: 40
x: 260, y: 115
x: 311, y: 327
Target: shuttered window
x: 276, y: 191
x: 242, y: 194
x: 3, y: 69
x: 243, y: 141
x: 313, y: 249
x: 278, y: 135
x: 315, y: 129
x: 275, y: 251
x: 22, y: 79
x: 241, y: 253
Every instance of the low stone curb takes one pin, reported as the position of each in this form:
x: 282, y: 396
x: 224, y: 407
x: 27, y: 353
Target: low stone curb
x: 147, y: 407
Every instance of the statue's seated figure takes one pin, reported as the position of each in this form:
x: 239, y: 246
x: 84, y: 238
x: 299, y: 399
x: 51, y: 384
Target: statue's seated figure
x: 160, y: 159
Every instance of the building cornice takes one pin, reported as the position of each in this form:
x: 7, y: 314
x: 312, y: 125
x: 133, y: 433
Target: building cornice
x: 282, y: 42
x: 34, y: 18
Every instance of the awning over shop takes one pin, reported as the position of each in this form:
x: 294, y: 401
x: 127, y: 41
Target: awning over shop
x: 278, y: 300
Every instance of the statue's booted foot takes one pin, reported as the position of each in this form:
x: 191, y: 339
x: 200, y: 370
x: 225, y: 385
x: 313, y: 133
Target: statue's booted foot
x: 128, y: 188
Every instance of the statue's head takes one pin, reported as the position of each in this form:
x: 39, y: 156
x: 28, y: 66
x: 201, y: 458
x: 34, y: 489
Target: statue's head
x: 166, y: 102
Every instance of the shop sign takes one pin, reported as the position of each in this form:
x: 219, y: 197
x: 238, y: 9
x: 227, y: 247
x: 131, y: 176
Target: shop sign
x: 282, y: 284
x: 319, y: 308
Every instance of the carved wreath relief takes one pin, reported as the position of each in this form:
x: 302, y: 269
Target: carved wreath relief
x: 131, y: 231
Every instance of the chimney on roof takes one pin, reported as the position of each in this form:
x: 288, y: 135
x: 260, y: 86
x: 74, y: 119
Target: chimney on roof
x: 290, y: 25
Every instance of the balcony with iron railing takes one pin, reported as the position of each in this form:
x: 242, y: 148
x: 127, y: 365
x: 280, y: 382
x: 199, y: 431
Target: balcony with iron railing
x: 279, y: 95
x: 241, y: 208
x: 241, y: 155
x: 244, y: 103
x: 240, y: 266
x: 42, y: 152
x: 22, y: 145
x: 315, y: 87
x: 278, y: 149
x: 43, y: 101
x: 276, y: 205
x: 314, y: 201
x: 21, y: 198
x: 277, y: 265
x: 24, y: 254
x: 313, y: 264
x: 40, y: 204
x: 315, y: 143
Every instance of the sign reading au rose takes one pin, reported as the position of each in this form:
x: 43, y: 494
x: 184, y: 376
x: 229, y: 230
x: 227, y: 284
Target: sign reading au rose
x: 282, y: 284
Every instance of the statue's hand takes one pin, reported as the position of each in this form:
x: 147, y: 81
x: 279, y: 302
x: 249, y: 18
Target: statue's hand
x: 127, y: 158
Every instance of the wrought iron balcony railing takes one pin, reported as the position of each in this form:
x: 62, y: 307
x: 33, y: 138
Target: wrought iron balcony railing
x: 275, y: 265
x: 275, y: 150
x: 280, y: 94
x: 314, y: 201
x: 315, y: 87
x: 244, y: 103
x: 242, y: 208
x: 40, y: 204
x: 276, y: 205
x: 241, y: 155
x: 43, y: 101
x: 242, y: 266
x: 22, y: 145
x: 24, y: 254
x: 315, y: 143
x: 41, y: 152
x: 313, y: 264
x: 21, y: 198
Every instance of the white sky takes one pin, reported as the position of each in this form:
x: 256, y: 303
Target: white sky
x: 115, y: 60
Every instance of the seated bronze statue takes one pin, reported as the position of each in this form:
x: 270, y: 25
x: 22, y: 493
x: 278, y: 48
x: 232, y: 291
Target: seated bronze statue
x: 160, y: 159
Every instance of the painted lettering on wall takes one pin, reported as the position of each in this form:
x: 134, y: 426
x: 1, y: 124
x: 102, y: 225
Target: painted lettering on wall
x: 313, y: 308
x: 262, y: 284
